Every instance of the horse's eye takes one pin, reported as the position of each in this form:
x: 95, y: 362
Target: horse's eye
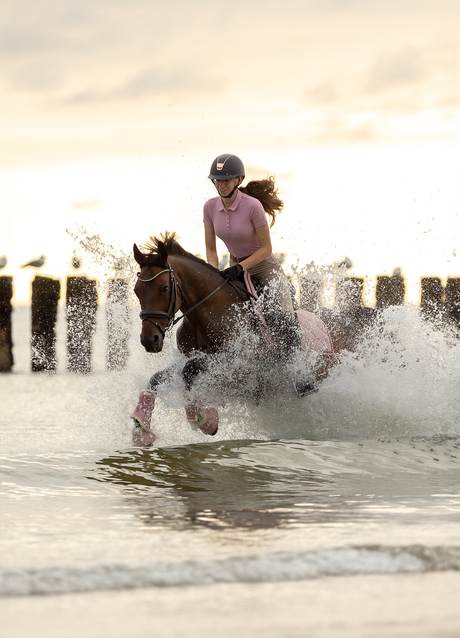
x: 164, y: 288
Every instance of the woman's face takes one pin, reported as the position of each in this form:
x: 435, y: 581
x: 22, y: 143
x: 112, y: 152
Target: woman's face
x: 225, y: 186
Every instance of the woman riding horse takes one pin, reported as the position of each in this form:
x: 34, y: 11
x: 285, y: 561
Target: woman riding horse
x: 166, y: 280
x: 237, y: 217
x: 216, y: 327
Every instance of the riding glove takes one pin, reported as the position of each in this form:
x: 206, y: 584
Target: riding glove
x: 233, y: 272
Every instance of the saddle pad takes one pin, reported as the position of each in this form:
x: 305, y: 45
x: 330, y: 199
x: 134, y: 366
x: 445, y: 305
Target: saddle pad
x: 315, y: 335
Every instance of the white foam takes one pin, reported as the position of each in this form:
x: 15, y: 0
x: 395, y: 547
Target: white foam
x: 347, y: 561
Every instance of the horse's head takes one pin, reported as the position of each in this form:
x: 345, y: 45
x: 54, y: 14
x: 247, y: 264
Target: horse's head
x: 156, y: 290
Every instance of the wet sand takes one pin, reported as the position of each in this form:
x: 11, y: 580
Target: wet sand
x: 422, y: 606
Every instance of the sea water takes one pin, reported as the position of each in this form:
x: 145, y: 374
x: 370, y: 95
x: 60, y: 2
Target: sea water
x: 337, y: 514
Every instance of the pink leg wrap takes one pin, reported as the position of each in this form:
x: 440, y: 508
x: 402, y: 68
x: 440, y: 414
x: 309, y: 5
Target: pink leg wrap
x: 199, y: 417
x: 142, y: 438
x: 142, y: 415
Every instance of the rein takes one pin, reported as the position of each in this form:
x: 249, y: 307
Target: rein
x: 150, y: 315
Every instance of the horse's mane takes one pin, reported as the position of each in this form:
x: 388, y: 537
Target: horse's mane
x: 171, y: 243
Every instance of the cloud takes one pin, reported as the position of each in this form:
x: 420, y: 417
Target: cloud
x: 324, y: 93
x: 22, y: 42
x: 35, y: 76
x: 450, y: 101
x: 340, y: 130
x: 403, y: 68
x: 157, y: 82
x: 76, y: 71
x: 404, y: 81
x: 46, y: 26
x: 84, y: 53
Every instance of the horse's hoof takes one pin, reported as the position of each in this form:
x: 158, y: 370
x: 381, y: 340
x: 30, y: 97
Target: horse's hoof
x: 206, y: 420
x: 212, y: 422
x: 142, y: 438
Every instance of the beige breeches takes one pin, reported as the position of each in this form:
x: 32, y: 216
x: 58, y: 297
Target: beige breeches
x: 269, y: 273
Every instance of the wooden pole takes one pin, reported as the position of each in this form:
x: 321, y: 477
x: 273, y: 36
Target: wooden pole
x: 349, y: 292
x: 453, y: 299
x: 117, y: 324
x: 81, y: 308
x: 390, y: 291
x: 311, y: 291
x: 45, y: 296
x: 349, y: 317
x: 6, y: 343
x: 431, y: 303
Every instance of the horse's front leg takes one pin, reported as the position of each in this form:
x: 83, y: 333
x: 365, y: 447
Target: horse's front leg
x: 206, y: 419
x: 142, y: 415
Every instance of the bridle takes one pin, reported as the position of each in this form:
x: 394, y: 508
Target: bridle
x: 151, y: 315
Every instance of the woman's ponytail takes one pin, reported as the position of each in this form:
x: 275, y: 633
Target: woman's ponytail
x: 265, y: 191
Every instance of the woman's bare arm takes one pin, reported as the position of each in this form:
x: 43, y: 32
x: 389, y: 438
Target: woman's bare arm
x: 265, y: 250
x: 211, y: 248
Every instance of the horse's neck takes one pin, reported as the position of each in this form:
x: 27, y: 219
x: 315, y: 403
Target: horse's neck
x: 196, y: 280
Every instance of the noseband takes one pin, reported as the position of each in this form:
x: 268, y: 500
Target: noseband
x: 151, y: 315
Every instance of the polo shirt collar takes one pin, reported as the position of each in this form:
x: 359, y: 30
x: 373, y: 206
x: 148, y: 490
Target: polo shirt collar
x: 234, y: 206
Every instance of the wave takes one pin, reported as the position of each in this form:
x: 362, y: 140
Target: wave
x: 347, y: 561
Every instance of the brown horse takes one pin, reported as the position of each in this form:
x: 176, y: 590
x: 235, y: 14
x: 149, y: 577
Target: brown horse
x: 216, y: 314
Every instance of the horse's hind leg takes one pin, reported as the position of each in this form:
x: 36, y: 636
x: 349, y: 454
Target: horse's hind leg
x: 142, y: 415
x: 206, y: 419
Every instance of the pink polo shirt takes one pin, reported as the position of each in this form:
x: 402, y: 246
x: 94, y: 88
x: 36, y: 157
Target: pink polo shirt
x: 236, y: 226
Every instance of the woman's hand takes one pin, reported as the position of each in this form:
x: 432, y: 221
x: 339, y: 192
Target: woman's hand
x: 232, y: 273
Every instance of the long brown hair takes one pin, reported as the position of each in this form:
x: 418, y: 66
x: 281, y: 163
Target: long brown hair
x: 265, y: 191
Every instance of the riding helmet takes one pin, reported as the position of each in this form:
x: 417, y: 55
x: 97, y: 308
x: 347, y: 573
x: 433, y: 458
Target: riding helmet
x: 226, y: 166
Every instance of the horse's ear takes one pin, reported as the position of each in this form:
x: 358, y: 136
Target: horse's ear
x: 138, y: 256
x: 162, y: 252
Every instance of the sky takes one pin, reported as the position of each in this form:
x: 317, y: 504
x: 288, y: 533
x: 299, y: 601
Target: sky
x: 112, y: 111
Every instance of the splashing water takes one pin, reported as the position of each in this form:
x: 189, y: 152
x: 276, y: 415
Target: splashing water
x: 403, y: 379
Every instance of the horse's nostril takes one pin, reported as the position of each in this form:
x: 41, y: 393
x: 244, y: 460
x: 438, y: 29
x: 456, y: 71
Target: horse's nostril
x: 152, y: 343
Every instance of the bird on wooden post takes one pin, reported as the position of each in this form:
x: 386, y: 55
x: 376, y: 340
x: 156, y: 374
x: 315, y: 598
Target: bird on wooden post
x: 345, y: 264
x: 35, y: 263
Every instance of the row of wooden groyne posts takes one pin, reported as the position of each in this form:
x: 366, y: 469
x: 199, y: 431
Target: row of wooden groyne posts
x: 348, y: 316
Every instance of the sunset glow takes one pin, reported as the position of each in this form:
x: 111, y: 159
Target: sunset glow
x: 113, y: 111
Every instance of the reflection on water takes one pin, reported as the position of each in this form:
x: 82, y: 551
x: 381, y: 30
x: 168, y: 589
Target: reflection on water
x: 283, y: 483
x: 211, y: 485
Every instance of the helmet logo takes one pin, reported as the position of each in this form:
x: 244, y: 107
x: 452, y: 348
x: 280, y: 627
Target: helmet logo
x: 220, y: 165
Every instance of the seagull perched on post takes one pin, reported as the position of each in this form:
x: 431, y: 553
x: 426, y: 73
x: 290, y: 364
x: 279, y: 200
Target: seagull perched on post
x: 35, y: 263
x: 345, y: 264
x: 3, y: 262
